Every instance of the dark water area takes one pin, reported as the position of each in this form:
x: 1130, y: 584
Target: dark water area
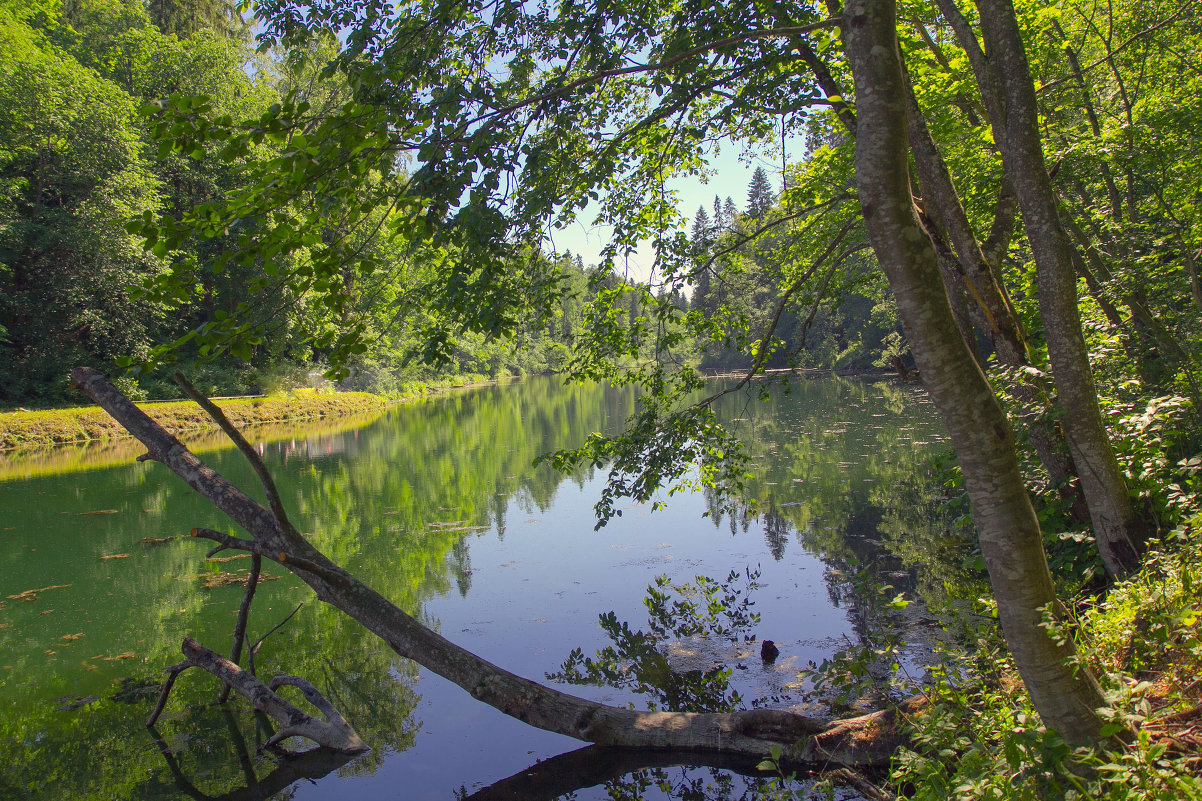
x: 437, y: 506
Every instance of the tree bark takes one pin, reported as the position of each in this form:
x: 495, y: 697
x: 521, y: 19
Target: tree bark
x: 994, y: 314
x: 866, y: 740
x: 1011, y: 542
x: 1117, y: 529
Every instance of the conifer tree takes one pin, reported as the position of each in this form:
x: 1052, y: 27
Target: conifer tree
x: 702, y: 234
x: 759, y: 194
x: 730, y: 212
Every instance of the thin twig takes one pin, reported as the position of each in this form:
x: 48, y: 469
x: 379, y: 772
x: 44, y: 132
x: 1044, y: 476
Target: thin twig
x: 820, y: 295
x: 862, y: 785
x: 768, y: 226
x: 332, y: 574
x: 254, y: 649
x: 231, y: 431
x: 600, y: 77
x: 226, y: 542
x: 762, y: 356
x: 172, y: 674
x: 256, y: 566
x: 1112, y: 52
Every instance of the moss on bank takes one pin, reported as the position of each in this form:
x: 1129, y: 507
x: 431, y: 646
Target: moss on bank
x: 90, y: 423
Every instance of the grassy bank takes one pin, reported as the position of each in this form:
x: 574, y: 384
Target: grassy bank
x: 90, y: 423
x: 74, y: 457
x: 980, y: 737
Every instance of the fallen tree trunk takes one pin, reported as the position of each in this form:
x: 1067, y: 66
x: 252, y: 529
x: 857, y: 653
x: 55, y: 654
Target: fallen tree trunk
x: 868, y: 740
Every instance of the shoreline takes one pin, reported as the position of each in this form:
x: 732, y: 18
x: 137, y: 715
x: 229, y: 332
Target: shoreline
x: 81, y: 425
x: 23, y: 431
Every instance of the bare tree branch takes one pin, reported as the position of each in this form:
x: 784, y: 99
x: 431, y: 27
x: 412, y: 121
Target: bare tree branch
x: 247, y: 450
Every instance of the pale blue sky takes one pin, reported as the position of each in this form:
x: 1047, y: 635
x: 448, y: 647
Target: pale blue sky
x: 732, y: 170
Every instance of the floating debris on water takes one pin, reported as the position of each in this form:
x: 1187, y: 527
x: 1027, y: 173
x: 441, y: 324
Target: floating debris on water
x: 211, y: 581
x: 131, y: 690
x: 32, y: 595
x: 229, y: 558
x: 70, y: 703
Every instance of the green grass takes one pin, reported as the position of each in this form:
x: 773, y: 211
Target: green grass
x: 91, y: 423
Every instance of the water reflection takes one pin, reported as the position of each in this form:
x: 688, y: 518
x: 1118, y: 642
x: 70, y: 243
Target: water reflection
x: 627, y: 774
x: 436, y: 506
x: 281, y: 774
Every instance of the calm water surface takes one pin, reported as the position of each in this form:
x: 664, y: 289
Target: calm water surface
x: 437, y: 506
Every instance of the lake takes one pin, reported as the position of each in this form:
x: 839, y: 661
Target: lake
x: 436, y: 505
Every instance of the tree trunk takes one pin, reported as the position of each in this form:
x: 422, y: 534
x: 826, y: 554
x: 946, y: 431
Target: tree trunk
x: 1117, y: 529
x: 1065, y: 695
x: 866, y: 740
x: 994, y: 314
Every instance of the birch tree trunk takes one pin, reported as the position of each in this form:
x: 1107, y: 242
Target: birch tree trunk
x: 1011, y: 542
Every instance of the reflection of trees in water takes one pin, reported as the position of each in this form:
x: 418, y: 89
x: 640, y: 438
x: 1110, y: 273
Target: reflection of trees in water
x: 458, y: 461
x: 101, y: 750
x: 461, y: 462
x: 314, y: 764
x: 846, y: 468
x: 776, y: 532
x: 629, y: 774
x: 682, y: 661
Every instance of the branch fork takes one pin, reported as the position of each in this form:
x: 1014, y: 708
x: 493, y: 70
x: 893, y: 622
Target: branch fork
x: 333, y: 732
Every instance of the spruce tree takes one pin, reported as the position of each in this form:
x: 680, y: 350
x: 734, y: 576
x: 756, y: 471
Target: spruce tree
x: 759, y: 194
x: 729, y: 212
x: 702, y: 234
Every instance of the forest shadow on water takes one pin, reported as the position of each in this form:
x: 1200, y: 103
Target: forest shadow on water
x: 437, y: 506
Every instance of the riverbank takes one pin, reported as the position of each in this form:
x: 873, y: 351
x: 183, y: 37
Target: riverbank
x: 27, y: 430
x: 91, y: 424
x: 979, y: 736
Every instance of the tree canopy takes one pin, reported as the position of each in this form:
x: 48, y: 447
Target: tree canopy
x: 997, y: 193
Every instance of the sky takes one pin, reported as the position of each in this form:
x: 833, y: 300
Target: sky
x: 732, y: 170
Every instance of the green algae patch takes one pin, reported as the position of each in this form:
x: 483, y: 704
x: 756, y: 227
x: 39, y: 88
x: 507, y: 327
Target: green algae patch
x: 22, y: 429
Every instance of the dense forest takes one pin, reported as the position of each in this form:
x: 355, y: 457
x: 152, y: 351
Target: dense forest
x: 999, y: 197
x: 82, y: 164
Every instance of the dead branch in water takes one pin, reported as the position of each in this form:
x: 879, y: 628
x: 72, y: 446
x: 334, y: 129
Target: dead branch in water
x: 333, y: 732
x: 868, y: 740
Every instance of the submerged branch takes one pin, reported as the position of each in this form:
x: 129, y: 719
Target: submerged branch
x: 333, y: 733
x: 248, y: 597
